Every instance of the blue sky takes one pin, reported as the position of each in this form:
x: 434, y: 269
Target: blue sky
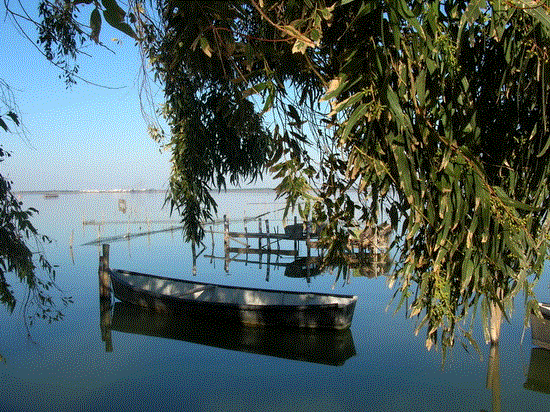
x: 86, y: 137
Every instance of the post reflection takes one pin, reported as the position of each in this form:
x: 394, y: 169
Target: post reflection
x: 493, y: 377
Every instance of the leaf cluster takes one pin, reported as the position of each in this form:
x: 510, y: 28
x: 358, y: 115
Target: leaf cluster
x: 438, y: 117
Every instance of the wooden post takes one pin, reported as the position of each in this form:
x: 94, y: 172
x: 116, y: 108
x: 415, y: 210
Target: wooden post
x: 194, y: 253
x: 105, y: 299
x: 104, y: 278
x: 226, y: 242
x: 260, y: 232
x: 267, y: 234
x: 268, y: 267
x: 308, y: 236
x: 225, y: 232
x: 246, y: 240
x: 212, y: 233
x: 296, y: 241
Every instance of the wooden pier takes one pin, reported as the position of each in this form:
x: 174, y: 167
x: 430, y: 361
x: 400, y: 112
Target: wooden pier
x: 367, y: 253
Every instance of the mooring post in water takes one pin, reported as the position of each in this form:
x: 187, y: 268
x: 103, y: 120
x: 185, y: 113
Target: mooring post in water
x: 212, y: 233
x: 268, y: 267
x: 225, y: 232
x: 267, y: 235
x: 105, y: 299
x: 260, y: 232
x: 295, y: 240
x: 194, y: 253
x: 226, y: 242
x: 104, y: 278
x: 308, y: 238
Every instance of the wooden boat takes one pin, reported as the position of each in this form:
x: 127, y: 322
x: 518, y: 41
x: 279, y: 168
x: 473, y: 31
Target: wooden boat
x: 256, y: 307
x: 323, y: 346
x: 540, y: 328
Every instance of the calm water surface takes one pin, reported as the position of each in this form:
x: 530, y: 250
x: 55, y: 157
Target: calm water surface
x: 147, y: 364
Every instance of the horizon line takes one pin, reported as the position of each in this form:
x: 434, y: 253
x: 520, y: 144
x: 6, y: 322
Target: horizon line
x: 82, y: 191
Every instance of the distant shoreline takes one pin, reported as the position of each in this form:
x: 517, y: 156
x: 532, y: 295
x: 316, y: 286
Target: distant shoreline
x: 130, y: 191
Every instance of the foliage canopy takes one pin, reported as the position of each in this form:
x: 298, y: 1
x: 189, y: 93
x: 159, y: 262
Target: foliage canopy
x: 433, y: 112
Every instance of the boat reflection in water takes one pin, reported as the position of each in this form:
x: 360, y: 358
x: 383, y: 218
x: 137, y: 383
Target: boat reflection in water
x: 329, y: 347
x: 538, y: 378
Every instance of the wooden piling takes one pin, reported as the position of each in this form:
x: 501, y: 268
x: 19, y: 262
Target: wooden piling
x: 105, y: 298
x: 308, y: 238
x: 295, y: 240
x: 213, y: 245
x: 225, y: 232
x: 268, y: 267
x: 104, y: 278
x: 194, y: 257
x: 212, y: 233
x: 260, y: 232
x: 226, y: 242
x: 246, y: 240
x: 267, y: 235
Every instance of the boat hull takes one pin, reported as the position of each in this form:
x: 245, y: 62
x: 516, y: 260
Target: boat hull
x: 215, y: 303
x: 540, y: 328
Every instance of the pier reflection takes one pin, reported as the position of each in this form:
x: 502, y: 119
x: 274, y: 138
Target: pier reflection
x: 317, y: 346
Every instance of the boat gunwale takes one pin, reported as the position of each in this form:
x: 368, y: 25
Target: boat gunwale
x: 352, y: 298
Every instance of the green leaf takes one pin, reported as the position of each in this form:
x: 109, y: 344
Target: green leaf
x: 115, y: 12
x: 3, y: 125
x: 113, y: 20
x: 508, y: 201
x: 355, y: 116
x: 393, y: 101
x: 205, y: 46
x: 114, y: 16
x: 126, y: 29
x: 95, y: 24
x: 420, y: 86
x: 111, y: 17
x: 14, y: 117
x: 256, y: 89
x: 336, y: 86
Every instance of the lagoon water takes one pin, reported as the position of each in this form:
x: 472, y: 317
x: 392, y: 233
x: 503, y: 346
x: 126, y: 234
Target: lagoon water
x: 148, y: 363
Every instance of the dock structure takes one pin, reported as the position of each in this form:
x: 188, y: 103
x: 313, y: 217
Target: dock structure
x: 295, y: 232
x: 367, y: 249
x: 373, y: 238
